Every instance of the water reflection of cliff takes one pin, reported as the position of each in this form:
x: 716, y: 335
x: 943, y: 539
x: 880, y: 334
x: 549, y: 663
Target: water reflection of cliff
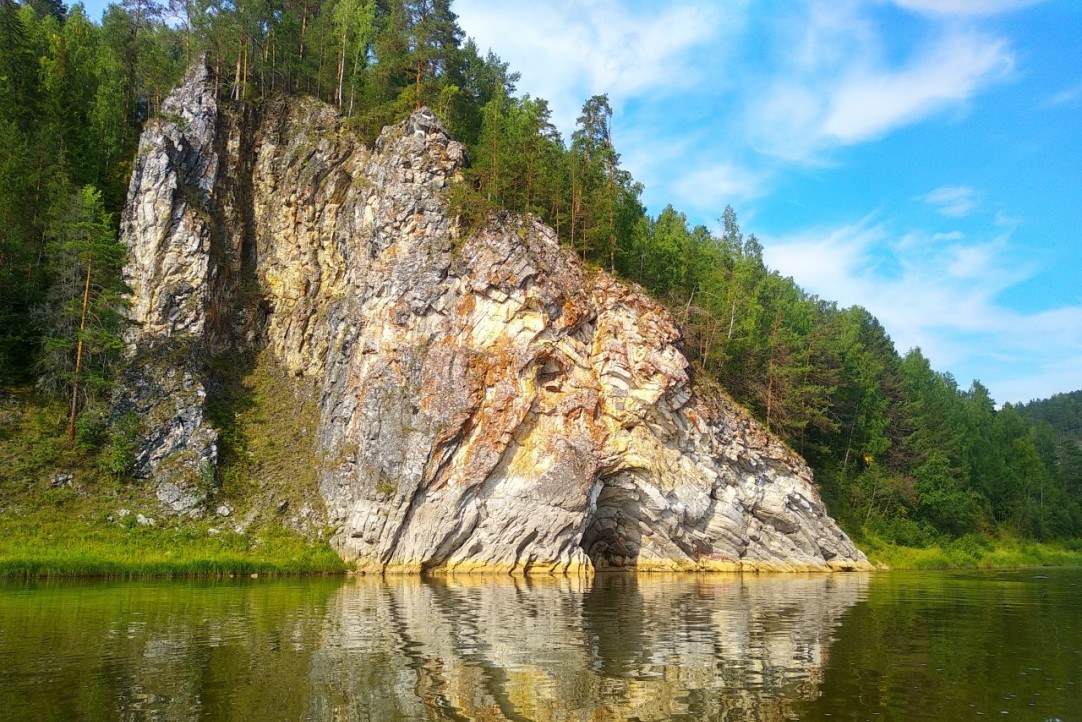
x: 614, y: 648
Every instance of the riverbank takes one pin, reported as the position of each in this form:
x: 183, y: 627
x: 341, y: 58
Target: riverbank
x: 36, y: 546
x: 63, y: 514
x: 975, y: 552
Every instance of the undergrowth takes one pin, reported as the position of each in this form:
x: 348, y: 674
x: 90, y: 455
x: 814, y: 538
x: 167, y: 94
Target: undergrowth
x: 974, y: 551
x: 67, y: 509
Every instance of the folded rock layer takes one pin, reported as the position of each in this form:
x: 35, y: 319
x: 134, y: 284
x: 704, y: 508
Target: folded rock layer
x: 486, y: 402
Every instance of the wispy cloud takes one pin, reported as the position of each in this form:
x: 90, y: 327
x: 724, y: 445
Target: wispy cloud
x: 1068, y: 96
x: 965, y: 7
x: 568, y: 51
x: 780, y: 87
x: 869, y: 102
x: 711, y: 187
x: 953, y: 201
x: 816, y: 101
x: 942, y: 294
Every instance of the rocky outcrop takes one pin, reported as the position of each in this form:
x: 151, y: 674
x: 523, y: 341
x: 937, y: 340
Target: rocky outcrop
x: 169, y: 228
x: 486, y: 403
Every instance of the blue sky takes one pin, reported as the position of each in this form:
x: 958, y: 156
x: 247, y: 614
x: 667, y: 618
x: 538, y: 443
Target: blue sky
x: 921, y: 158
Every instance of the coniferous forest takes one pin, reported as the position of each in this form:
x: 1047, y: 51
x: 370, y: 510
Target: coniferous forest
x: 902, y: 453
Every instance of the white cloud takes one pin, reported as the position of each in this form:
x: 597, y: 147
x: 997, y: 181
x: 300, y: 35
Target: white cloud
x: 1004, y: 220
x: 964, y: 7
x: 568, y: 51
x: 861, y: 97
x: 713, y: 186
x: 953, y: 201
x: 942, y: 294
x: 1054, y: 377
x: 872, y: 101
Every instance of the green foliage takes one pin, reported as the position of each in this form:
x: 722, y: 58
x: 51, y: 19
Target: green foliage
x: 973, y: 552
x: 92, y: 427
x: 117, y: 457
x: 902, y: 531
x: 469, y: 207
x: 1062, y: 412
x: 80, y: 318
x: 77, y: 529
x: 901, y: 453
x: 943, y: 502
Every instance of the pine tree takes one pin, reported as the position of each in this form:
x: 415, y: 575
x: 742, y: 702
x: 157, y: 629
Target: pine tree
x: 80, y: 319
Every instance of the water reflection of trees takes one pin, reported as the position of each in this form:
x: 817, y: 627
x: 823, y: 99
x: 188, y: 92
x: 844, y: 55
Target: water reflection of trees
x: 617, y: 647
x: 159, y: 651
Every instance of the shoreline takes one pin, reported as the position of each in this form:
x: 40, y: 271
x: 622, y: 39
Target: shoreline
x: 145, y: 562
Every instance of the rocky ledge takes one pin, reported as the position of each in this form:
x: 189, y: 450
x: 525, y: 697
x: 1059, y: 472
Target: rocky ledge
x: 486, y: 403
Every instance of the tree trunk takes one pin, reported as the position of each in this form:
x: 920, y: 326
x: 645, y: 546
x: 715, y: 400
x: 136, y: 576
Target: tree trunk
x: 341, y: 70
x: 417, y: 101
x: 612, y: 224
x: 304, y: 27
x: 236, y: 77
x: 770, y: 370
x: 79, y: 355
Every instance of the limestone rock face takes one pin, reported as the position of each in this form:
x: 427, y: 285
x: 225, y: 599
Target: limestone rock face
x: 168, y: 228
x: 487, y: 404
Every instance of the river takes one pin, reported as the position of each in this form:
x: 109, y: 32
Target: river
x: 897, y: 645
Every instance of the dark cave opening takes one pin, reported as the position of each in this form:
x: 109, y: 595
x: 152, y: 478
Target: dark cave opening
x: 613, y: 536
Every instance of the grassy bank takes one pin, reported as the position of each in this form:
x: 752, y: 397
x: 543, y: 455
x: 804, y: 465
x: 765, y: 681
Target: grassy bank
x: 90, y: 525
x: 36, y: 546
x: 974, y: 552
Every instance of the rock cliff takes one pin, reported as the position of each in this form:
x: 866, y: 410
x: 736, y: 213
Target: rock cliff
x: 486, y: 403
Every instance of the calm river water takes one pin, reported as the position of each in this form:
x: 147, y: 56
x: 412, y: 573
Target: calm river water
x: 897, y: 645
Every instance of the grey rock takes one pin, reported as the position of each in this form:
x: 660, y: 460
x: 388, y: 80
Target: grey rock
x: 486, y: 403
x: 144, y: 520
x: 180, y: 499
x: 167, y: 229
x: 224, y: 510
x: 61, y: 479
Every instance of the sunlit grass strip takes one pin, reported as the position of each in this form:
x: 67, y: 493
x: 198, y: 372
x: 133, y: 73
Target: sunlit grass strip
x: 966, y: 553
x: 89, y: 565
x: 29, y: 549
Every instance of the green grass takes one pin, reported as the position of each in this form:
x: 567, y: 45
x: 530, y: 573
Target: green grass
x: 47, y: 543
x: 974, y: 552
x: 267, y: 424
x: 78, y: 531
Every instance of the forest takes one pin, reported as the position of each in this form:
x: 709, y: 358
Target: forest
x: 902, y: 453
